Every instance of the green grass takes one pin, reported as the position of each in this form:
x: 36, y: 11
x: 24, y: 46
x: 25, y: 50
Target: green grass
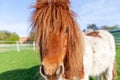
x: 118, y: 61
x: 25, y: 65
x: 19, y: 66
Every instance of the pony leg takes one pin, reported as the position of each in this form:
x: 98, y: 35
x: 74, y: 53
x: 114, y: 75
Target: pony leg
x: 112, y: 71
x: 108, y: 74
x: 99, y: 77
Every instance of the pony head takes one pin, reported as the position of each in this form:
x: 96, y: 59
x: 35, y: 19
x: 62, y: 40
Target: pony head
x: 59, y: 38
x: 53, y: 53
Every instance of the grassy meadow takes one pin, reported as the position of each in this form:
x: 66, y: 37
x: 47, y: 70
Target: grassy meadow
x: 25, y: 65
x: 118, y: 61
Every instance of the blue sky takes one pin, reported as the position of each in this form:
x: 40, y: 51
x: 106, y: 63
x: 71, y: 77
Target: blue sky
x: 15, y: 14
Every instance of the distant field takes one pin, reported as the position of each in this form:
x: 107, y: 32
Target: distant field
x: 25, y: 65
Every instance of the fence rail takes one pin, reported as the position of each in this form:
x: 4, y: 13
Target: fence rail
x: 117, y: 41
x: 16, y: 46
x: 116, y: 34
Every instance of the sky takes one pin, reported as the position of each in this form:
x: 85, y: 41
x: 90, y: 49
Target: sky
x: 15, y: 14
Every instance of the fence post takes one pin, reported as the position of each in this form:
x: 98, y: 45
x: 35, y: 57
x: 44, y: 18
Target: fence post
x: 17, y: 45
x: 33, y: 46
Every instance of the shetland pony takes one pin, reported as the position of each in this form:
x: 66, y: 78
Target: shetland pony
x: 66, y: 52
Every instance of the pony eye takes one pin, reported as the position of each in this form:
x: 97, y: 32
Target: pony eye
x: 66, y: 30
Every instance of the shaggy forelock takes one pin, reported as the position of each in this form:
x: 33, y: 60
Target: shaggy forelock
x: 50, y: 17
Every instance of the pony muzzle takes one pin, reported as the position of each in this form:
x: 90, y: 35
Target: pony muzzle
x: 59, y: 72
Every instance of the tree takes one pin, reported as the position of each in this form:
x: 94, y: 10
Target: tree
x: 13, y: 37
x: 7, y: 36
x: 109, y: 28
x: 4, y: 35
x: 92, y: 26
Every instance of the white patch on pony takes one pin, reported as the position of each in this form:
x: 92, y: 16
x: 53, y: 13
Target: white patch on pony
x: 99, y: 55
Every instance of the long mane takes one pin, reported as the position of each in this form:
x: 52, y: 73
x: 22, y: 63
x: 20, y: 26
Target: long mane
x: 54, y: 15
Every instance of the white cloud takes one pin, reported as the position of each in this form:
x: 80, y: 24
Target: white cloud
x: 100, y: 12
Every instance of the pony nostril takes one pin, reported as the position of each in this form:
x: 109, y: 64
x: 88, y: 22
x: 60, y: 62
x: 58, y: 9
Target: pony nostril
x: 42, y: 71
x: 60, y: 71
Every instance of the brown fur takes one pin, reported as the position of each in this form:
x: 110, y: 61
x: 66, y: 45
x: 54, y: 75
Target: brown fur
x: 94, y: 34
x: 49, y: 17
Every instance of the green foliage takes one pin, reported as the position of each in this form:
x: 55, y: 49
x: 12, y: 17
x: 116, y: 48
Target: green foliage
x: 92, y: 26
x: 105, y: 27
x: 7, y: 36
x: 13, y: 37
x: 4, y: 35
x: 109, y: 28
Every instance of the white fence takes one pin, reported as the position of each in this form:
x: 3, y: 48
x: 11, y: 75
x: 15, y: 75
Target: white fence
x: 15, y: 46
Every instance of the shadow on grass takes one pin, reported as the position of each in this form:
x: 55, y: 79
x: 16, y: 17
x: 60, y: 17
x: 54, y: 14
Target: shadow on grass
x: 21, y: 74
x: 24, y: 74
